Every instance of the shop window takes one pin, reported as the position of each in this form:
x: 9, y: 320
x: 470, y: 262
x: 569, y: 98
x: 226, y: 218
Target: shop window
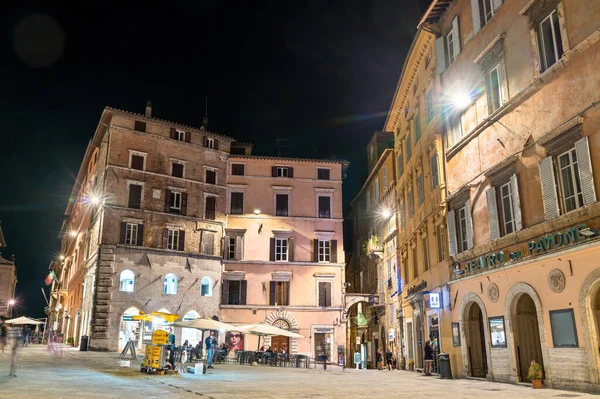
x: 564, y: 331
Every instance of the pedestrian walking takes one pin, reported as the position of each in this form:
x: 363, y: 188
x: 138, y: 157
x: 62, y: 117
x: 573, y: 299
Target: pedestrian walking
x: 428, y: 357
x: 379, y: 359
x: 13, y: 344
x: 388, y: 359
x: 3, y: 336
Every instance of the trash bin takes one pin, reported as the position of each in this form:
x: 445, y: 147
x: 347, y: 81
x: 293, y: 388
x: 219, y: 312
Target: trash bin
x: 444, y: 363
x: 83, y: 345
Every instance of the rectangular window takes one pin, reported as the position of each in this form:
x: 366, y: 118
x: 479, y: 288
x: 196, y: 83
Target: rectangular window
x: 384, y: 177
x: 324, y: 207
x: 400, y: 166
x: 456, y: 130
x: 389, y: 269
x: 231, y: 248
x: 208, y: 243
x: 402, y: 216
x: 550, y: 40
x: 135, y: 196
x: 282, y: 171
x: 237, y: 204
x: 487, y: 9
x: 139, y: 126
x: 495, y: 84
x: 238, y: 169
x: 425, y: 246
x: 417, y: 128
x: 280, y: 293
x: 323, y: 174
x: 211, y: 176
x: 324, y: 251
x: 175, y: 202
x: 281, y: 249
x: 450, y: 47
x: 415, y: 262
x: 180, y: 135
x: 137, y: 162
x: 234, y: 292
x: 441, y: 238
x: 407, y: 147
x: 420, y: 188
x: 506, y: 203
x: 410, y: 204
x: 176, y: 169
x: 131, y: 234
x: 281, y: 205
x: 210, y: 208
x: 435, y: 180
x: 462, y: 229
x: 376, y: 190
x: 209, y: 142
x: 324, y: 293
x: 173, y: 239
x: 429, y: 100
x: 570, y: 181
x: 564, y: 331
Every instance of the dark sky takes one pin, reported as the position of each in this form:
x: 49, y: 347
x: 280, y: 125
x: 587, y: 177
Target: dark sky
x: 319, y: 73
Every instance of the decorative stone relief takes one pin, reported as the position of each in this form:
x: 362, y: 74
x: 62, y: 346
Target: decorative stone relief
x: 556, y: 281
x: 493, y: 293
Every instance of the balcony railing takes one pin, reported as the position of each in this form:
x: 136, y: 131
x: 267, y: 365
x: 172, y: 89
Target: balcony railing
x: 374, y: 247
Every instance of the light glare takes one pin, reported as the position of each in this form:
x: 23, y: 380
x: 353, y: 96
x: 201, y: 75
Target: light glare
x: 461, y: 100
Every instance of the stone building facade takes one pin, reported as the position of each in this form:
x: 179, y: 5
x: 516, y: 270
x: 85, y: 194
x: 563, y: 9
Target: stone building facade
x: 283, y: 252
x: 143, y: 230
x: 520, y: 95
x: 8, y: 281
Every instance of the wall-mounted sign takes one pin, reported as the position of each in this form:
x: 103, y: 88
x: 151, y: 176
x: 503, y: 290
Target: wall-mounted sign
x: 391, y: 334
x: 357, y: 340
x: 416, y: 288
x: 435, y: 300
x: 534, y: 247
x: 324, y: 330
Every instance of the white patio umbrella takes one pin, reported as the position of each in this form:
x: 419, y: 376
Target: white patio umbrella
x: 263, y: 330
x: 206, y: 324
x: 23, y: 320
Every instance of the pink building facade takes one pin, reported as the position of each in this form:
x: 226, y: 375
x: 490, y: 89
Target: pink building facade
x: 283, y: 252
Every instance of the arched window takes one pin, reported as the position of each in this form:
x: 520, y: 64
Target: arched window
x: 170, y: 284
x: 127, y: 280
x: 206, y: 287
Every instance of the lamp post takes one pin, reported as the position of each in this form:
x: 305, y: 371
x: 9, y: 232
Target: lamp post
x: 11, y: 304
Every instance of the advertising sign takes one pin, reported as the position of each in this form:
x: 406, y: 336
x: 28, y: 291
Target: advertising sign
x: 435, y: 300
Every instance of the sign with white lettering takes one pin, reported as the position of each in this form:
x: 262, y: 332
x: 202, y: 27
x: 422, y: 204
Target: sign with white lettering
x: 435, y: 301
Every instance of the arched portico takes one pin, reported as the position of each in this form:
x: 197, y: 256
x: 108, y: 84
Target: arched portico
x: 589, y: 306
x: 288, y: 318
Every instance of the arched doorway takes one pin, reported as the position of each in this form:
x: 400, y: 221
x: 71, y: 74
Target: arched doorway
x: 475, y: 335
x: 192, y: 335
x: 280, y: 343
x: 527, y: 335
x: 129, y: 329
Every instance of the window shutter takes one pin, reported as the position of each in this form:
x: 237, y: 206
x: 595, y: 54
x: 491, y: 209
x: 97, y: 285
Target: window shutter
x: 167, y: 201
x: 123, y: 232
x: 456, y: 36
x: 333, y: 251
x: 291, y: 244
x: 315, y: 250
x: 225, y: 293
x: 516, y: 202
x: 216, y: 144
x: 440, y: 55
x: 327, y: 294
x: 451, y: 233
x: 492, y: 206
x: 173, y: 133
x: 322, y: 294
x: 165, y: 238
x: 140, y: 235
x: 586, y: 176
x: 181, y: 244
x: 211, y: 244
x: 238, y: 248
x: 548, y: 182
x: 290, y: 172
x: 476, y: 16
x: 497, y: 4
x: 469, y: 221
x: 188, y: 137
x: 183, y: 203
x: 287, y: 285
x: 272, y: 249
x: 205, y: 141
x: 226, y: 247
x: 272, y: 287
x: 274, y: 171
x: 243, y: 289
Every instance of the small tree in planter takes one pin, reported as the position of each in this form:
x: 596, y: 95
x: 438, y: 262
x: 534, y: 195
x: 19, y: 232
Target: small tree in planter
x: 536, y: 374
x: 71, y: 341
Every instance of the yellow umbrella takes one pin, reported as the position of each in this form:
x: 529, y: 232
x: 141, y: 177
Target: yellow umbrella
x: 142, y: 317
x: 170, y: 318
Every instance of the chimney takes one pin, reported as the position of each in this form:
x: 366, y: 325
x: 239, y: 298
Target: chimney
x: 148, y: 109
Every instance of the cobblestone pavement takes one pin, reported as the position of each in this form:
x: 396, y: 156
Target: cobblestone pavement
x: 97, y: 375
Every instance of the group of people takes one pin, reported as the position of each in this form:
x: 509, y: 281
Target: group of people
x: 390, y: 360
x: 391, y: 363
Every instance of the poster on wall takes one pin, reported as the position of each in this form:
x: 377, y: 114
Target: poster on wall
x: 497, y: 332
x: 455, y: 334
x: 234, y: 341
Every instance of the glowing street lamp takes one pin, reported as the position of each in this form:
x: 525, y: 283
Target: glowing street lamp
x: 73, y: 233
x: 461, y: 100
x: 386, y: 213
x: 62, y: 257
x: 94, y: 199
x: 11, y: 302
x: 257, y: 212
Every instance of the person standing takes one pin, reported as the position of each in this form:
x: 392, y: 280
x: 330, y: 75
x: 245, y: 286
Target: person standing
x: 13, y: 344
x: 428, y: 357
x: 3, y: 336
x: 379, y: 359
x: 388, y: 359
x: 209, y: 344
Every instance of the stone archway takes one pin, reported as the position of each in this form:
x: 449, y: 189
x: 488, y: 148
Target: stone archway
x: 511, y: 304
x: 466, y: 307
x: 589, y: 293
x: 288, y: 318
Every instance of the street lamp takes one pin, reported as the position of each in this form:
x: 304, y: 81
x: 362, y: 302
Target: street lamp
x: 11, y: 302
x: 62, y: 257
x: 386, y: 213
x: 461, y: 100
x: 73, y: 233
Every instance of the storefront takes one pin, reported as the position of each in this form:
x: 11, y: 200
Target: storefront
x: 535, y: 301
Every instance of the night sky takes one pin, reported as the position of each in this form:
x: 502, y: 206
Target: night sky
x: 318, y: 73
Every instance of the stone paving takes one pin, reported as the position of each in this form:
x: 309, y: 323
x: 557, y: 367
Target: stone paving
x: 97, y: 375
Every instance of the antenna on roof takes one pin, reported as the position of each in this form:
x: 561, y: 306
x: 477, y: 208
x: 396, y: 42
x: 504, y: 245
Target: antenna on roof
x: 205, y: 119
